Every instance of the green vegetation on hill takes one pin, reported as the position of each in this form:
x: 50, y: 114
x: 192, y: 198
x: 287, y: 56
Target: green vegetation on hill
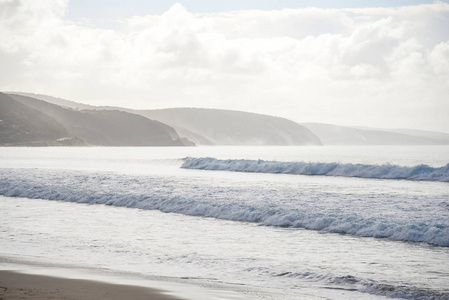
x: 209, y: 127
x: 32, y: 122
x: 21, y: 125
x: 214, y: 126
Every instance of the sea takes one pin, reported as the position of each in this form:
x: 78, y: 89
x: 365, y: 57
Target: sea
x: 311, y: 222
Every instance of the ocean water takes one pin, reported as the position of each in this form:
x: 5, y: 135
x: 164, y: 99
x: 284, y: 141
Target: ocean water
x: 262, y: 222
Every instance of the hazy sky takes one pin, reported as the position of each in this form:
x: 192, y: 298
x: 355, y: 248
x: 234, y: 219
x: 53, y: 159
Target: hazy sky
x: 310, y: 61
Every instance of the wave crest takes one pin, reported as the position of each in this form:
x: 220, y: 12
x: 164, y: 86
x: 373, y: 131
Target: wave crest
x: 387, y: 171
x: 236, y: 204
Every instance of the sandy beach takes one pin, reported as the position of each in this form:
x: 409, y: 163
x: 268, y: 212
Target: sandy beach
x: 15, y: 285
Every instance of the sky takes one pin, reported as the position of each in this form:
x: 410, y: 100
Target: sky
x: 366, y: 63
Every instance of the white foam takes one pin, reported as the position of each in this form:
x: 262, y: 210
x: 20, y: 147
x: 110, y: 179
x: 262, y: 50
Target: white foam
x: 152, y: 193
x: 387, y: 171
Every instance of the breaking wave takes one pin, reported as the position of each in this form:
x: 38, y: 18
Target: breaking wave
x: 387, y: 171
x: 236, y: 204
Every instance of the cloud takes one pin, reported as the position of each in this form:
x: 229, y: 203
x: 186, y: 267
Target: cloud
x: 305, y: 64
x: 439, y: 59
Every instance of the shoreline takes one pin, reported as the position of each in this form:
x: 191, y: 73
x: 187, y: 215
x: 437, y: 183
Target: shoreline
x: 16, y: 285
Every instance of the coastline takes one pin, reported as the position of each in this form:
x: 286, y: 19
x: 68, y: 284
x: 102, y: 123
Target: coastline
x: 23, y: 278
x: 15, y: 285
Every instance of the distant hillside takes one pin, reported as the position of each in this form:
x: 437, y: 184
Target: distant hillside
x: 58, y: 101
x: 106, y: 127
x: 226, y: 127
x: 21, y: 125
x: 341, y: 135
x: 216, y: 127
x: 420, y: 133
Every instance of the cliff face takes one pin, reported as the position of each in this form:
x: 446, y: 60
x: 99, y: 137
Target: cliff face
x: 226, y: 127
x: 43, y: 123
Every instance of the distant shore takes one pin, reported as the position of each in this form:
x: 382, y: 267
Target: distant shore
x: 14, y: 285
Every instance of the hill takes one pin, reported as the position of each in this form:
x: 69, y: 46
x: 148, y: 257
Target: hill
x: 227, y: 127
x: 214, y: 126
x: 21, y: 125
x: 105, y: 127
x: 341, y: 135
x: 55, y: 100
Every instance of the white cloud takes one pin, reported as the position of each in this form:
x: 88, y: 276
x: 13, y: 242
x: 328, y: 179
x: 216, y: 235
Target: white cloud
x: 439, y: 59
x: 376, y: 66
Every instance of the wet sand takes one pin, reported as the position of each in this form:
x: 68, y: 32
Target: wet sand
x: 15, y: 285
